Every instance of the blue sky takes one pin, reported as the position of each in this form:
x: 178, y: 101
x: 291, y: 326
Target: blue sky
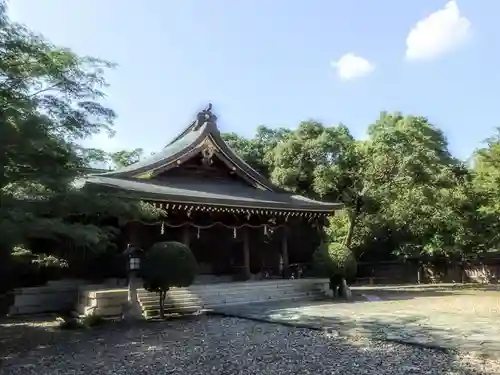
x: 279, y: 62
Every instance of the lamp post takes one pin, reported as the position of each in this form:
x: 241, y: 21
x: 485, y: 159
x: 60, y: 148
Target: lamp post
x: 132, y: 310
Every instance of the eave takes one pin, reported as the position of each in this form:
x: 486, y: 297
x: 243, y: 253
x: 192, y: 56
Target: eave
x: 212, y: 194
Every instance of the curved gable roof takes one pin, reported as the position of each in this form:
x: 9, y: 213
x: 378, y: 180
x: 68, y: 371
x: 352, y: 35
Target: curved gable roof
x: 135, y: 180
x: 171, y: 152
x: 190, y: 141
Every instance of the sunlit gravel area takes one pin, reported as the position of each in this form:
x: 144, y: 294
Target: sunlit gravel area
x: 212, y: 345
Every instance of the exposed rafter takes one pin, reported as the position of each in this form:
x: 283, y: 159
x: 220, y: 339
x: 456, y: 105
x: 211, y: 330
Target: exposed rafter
x: 239, y: 211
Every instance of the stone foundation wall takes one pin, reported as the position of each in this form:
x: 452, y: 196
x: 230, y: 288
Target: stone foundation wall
x: 95, y: 300
x: 56, y: 296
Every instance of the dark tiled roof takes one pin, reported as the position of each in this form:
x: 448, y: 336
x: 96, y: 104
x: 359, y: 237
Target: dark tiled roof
x: 263, y: 195
x: 234, y: 194
x: 158, y: 159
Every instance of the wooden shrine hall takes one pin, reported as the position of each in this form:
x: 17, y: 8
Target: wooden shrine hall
x: 236, y: 222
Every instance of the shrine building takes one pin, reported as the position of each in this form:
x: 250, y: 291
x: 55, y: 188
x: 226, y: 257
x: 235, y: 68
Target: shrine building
x: 237, y: 223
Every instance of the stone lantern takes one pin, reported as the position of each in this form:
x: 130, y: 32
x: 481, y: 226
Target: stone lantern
x: 134, y: 258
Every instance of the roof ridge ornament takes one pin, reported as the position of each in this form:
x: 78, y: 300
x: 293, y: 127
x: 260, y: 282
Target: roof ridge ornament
x: 204, y: 116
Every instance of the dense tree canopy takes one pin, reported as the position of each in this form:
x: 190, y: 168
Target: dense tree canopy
x: 49, y: 102
x: 404, y: 193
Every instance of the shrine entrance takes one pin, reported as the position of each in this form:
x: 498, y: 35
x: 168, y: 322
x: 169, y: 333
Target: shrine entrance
x: 212, y: 248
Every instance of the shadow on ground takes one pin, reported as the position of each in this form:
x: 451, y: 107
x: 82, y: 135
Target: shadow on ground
x: 203, y: 345
x: 362, y: 296
x: 28, y: 334
x: 397, y: 292
x: 22, y: 335
x: 395, y: 323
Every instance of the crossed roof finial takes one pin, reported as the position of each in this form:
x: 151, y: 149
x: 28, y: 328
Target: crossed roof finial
x: 205, y: 116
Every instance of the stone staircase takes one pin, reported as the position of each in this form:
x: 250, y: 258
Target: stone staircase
x: 107, y: 303
x: 198, y: 298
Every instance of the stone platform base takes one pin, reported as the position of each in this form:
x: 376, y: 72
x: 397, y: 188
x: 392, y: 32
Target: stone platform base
x: 111, y: 302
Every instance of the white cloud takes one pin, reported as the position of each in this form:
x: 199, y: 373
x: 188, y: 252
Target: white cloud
x: 441, y: 32
x: 350, y: 66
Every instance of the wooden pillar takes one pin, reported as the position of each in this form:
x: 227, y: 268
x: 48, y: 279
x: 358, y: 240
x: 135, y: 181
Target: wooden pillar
x: 134, y: 234
x: 186, y: 239
x: 246, y: 253
x: 284, y: 251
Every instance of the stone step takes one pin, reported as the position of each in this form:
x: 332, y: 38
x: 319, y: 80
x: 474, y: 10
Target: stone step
x: 151, y: 313
x: 154, y: 304
x: 208, y: 293
x: 232, y: 295
x: 222, y: 287
x: 199, y: 297
x: 230, y: 300
x: 178, y: 297
x: 228, y: 295
x: 107, y: 311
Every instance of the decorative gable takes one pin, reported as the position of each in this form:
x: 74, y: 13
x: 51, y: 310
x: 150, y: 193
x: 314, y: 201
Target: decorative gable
x: 204, y: 163
x: 199, y: 166
x: 199, y: 141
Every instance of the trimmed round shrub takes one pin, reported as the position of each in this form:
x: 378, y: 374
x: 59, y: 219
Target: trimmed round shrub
x: 168, y: 264
x: 335, y: 259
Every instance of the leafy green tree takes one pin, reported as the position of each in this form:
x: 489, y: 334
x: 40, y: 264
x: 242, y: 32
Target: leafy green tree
x: 485, y: 195
x: 124, y: 158
x: 419, y: 187
x: 403, y: 191
x: 324, y: 162
x: 49, y: 102
x: 167, y: 265
x: 256, y: 151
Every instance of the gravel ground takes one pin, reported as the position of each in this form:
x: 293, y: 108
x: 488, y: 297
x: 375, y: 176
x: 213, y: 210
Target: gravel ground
x: 211, y: 345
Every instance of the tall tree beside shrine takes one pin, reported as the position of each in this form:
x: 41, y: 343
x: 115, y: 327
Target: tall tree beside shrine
x: 49, y: 102
x: 420, y: 188
x: 403, y: 191
x: 485, y: 195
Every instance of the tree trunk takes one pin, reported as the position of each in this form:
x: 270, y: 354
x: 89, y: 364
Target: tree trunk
x: 353, y: 218
x: 350, y: 230
x: 163, y: 294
